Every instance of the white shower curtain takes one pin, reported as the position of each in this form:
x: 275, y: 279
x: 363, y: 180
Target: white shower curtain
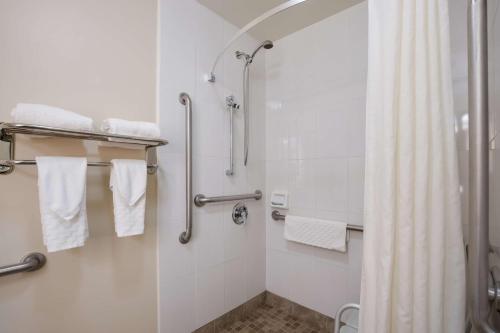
x: 413, y: 263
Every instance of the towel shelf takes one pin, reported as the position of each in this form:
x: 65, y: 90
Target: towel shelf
x: 9, y: 129
x: 277, y: 216
x: 8, y: 132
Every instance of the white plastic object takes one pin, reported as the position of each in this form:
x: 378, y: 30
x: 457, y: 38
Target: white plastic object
x: 279, y: 199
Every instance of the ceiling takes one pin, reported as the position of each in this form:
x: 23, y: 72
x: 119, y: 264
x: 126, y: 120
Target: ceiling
x: 240, y: 12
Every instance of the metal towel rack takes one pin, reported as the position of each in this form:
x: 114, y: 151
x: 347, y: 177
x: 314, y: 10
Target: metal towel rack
x: 277, y: 216
x: 200, y: 200
x: 185, y: 236
x: 8, y: 132
x: 31, y: 262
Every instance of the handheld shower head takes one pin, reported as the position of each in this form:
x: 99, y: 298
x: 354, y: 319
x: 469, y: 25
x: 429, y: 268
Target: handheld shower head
x: 267, y: 44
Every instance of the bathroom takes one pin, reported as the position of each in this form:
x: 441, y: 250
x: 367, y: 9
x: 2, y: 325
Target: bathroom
x: 265, y: 112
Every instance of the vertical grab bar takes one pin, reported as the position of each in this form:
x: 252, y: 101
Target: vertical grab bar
x: 185, y: 236
x: 478, y: 248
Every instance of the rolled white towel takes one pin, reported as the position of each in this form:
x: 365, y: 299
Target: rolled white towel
x: 44, y: 115
x: 132, y: 128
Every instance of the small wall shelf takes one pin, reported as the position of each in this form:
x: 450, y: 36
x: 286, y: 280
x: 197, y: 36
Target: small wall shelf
x: 8, y: 132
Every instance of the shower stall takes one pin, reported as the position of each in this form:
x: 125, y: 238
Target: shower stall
x: 300, y: 137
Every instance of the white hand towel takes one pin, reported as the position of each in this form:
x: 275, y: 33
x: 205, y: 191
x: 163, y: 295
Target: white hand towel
x: 132, y: 128
x: 330, y: 235
x: 44, y: 115
x: 62, y: 192
x: 128, y: 183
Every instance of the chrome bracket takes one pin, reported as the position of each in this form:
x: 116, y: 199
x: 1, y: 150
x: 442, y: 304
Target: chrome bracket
x: 151, y: 160
x: 7, y: 149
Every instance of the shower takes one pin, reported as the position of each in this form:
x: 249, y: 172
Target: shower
x: 267, y: 44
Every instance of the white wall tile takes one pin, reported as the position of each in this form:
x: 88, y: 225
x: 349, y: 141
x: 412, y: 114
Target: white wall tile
x: 234, y: 282
x: 279, y: 274
x: 210, y: 291
x: 331, y: 184
x: 177, y: 304
x: 356, y: 172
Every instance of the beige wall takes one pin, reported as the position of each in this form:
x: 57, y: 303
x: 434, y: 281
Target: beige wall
x: 95, y: 57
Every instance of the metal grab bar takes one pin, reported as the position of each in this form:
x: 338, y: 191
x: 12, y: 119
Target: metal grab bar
x: 31, y: 262
x: 277, y: 216
x: 185, y: 236
x: 478, y: 247
x: 200, y: 200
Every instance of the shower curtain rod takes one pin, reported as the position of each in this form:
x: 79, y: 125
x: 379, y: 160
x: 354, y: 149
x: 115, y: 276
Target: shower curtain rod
x: 478, y: 247
x: 253, y: 23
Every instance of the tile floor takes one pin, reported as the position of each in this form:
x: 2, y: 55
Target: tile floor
x: 270, y: 319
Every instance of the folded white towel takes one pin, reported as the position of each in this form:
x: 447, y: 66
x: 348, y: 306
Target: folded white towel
x: 132, y: 128
x: 62, y: 196
x: 44, y: 115
x: 321, y: 233
x: 128, y: 183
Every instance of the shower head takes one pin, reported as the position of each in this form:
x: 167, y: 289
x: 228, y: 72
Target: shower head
x: 267, y: 44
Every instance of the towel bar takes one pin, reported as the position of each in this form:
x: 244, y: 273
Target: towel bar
x: 277, y: 216
x: 31, y: 262
x: 151, y: 167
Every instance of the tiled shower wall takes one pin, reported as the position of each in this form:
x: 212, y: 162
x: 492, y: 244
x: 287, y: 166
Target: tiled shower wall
x: 224, y: 264
x: 315, y: 119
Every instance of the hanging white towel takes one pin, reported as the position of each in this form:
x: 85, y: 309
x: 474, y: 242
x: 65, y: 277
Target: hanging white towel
x: 44, y: 115
x: 128, y: 183
x: 132, y: 128
x: 413, y: 276
x: 62, y: 192
x: 330, y: 235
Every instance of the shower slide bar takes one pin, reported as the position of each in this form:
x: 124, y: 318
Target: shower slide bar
x: 277, y: 216
x: 200, y: 200
x: 185, y: 236
x: 31, y: 262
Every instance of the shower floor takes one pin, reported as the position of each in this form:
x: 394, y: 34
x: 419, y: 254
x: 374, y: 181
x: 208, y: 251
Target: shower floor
x: 270, y: 319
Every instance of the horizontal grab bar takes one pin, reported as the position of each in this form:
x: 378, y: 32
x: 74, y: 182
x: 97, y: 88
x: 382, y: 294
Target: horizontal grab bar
x: 31, y: 262
x: 200, y: 200
x: 280, y: 217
